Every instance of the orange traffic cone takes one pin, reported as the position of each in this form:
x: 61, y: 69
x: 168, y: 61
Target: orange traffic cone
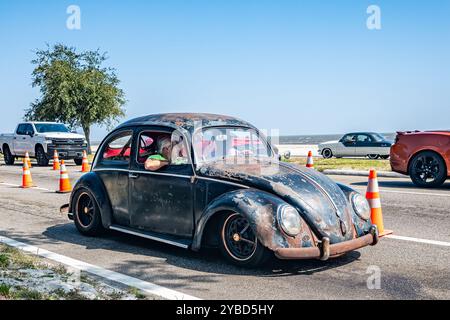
x: 64, y: 181
x: 27, y: 159
x: 56, y: 165
x: 310, y: 161
x: 373, y: 197
x: 85, y: 163
x: 27, y: 182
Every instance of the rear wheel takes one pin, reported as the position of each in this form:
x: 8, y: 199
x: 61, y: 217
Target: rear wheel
x: 9, y: 158
x: 239, y: 243
x: 87, y: 215
x: 384, y: 157
x: 78, y: 162
x: 373, y: 156
x: 327, y: 153
x: 427, y: 169
x: 41, y: 157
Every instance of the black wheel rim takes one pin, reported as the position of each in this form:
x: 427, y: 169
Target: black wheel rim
x: 239, y: 239
x: 85, y: 210
x: 426, y: 169
x: 40, y: 156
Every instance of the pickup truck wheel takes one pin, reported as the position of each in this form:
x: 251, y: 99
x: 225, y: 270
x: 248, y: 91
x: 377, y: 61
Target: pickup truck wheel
x: 41, y: 157
x: 78, y: 162
x: 9, y: 158
x: 428, y: 170
x: 239, y: 243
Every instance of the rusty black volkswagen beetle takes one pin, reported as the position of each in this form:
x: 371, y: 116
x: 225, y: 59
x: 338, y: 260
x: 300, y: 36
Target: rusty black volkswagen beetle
x: 223, y: 187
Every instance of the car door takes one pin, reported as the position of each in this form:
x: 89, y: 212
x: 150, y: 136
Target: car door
x: 364, y: 145
x: 21, y: 140
x: 347, y: 146
x: 161, y: 201
x: 29, y: 140
x: 112, y: 167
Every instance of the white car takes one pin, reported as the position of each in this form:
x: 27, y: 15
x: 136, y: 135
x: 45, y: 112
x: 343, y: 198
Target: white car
x: 40, y: 140
x: 359, y: 144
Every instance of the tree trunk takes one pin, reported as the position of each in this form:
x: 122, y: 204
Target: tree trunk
x: 87, y: 132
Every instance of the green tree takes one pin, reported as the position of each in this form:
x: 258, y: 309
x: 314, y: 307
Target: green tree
x: 76, y: 89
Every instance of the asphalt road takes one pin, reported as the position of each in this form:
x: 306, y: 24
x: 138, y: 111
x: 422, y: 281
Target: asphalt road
x: 408, y: 269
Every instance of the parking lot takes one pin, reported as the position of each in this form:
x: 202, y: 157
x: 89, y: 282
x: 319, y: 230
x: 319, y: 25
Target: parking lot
x: 413, y: 264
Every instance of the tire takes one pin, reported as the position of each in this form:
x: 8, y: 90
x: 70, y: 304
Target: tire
x: 373, y: 156
x: 427, y: 169
x: 9, y: 158
x: 384, y: 157
x: 41, y: 157
x: 327, y: 153
x: 235, y: 250
x: 86, y: 213
x: 78, y: 162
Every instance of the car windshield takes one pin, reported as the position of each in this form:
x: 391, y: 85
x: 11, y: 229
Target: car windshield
x: 50, y: 127
x: 220, y: 143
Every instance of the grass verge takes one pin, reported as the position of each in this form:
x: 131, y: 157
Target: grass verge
x: 321, y: 164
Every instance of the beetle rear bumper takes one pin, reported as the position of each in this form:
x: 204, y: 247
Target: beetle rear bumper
x: 325, y: 250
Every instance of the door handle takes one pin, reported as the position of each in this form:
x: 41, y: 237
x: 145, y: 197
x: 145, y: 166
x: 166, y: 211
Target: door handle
x: 133, y: 175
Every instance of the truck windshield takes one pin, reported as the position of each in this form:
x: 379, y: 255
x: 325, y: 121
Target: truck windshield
x: 51, y: 127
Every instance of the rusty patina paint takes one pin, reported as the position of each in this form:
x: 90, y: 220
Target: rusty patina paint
x: 321, y: 202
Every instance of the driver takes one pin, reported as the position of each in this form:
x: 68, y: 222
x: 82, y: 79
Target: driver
x: 162, y: 158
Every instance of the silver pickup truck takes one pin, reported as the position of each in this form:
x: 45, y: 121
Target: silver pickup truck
x: 40, y: 140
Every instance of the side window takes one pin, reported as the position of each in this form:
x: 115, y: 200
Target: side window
x: 29, y: 129
x: 363, y: 138
x: 21, y: 129
x: 162, y: 145
x: 349, y: 138
x: 118, y: 148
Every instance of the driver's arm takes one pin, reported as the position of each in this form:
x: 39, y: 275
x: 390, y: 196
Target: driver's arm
x: 155, y: 163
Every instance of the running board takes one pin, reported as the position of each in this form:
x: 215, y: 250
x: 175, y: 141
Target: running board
x: 152, y: 236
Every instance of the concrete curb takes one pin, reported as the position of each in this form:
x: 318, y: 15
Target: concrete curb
x: 363, y: 173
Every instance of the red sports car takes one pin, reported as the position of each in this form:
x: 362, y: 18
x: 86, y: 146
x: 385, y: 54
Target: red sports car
x: 423, y: 155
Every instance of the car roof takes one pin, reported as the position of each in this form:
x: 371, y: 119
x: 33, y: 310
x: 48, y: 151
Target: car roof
x: 368, y: 133
x: 187, y: 121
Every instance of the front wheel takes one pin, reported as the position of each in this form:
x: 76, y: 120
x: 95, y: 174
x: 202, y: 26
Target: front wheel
x: 9, y: 158
x: 87, y: 215
x: 428, y: 170
x: 373, y: 156
x: 78, y: 162
x: 239, y: 243
x: 41, y: 157
x: 327, y: 153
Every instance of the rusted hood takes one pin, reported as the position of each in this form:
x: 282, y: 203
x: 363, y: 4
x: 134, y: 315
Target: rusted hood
x: 319, y: 200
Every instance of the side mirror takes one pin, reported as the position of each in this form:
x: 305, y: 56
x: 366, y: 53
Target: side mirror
x: 287, y: 155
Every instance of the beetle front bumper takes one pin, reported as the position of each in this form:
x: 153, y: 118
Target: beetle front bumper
x: 326, y: 250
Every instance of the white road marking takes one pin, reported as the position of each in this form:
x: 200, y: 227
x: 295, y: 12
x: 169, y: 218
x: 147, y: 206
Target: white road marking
x: 18, y: 186
x: 147, y: 287
x: 437, y: 243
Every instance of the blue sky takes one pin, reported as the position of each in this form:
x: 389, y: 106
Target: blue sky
x: 304, y: 67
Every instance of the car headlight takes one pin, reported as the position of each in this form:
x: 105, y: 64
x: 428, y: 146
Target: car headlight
x: 361, y: 206
x: 289, y: 220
